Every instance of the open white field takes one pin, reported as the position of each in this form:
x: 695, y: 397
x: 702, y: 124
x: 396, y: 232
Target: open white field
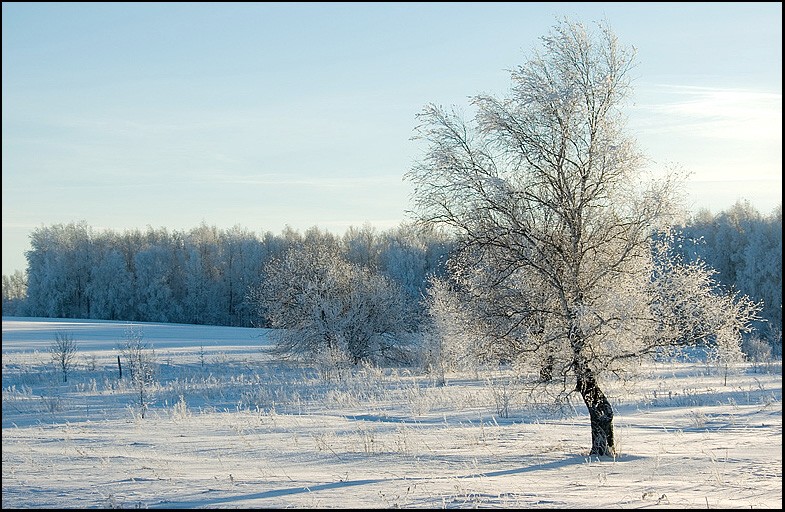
x: 230, y: 427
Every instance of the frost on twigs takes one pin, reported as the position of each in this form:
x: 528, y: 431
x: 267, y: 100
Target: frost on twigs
x: 563, y: 257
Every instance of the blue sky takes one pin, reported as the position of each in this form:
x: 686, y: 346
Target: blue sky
x: 267, y: 114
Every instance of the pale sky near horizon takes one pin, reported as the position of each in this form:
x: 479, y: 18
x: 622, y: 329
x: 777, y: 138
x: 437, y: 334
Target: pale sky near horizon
x: 126, y: 115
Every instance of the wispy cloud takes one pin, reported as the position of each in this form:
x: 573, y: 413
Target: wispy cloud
x: 220, y: 179
x: 722, y: 113
x: 275, y: 179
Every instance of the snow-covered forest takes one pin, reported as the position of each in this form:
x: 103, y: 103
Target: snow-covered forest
x: 202, y: 276
x: 209, y: 275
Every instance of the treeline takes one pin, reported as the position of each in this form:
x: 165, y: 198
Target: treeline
x: 745, y: 248
x: 202, y: 276
x: 210, y: 276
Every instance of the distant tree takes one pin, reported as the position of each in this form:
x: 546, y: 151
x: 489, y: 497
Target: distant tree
x: 111, y: 288
x: 58, y: 270
x: 206, y: 299
x: 410, y: 254
x: 243, y: 256
x: 14, y: 293
x: 361, y: 245
x: 139, y: 356
x: 556, y: 225
x: 325, y: 307
x: 453, y: 337
x: 761, y: 277
x: 156, y: 300
x: 63, y: 351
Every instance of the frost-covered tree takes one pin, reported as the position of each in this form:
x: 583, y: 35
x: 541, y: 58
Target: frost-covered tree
x: 244, y: 257
x: 110, y: 288
x: 762, y: 276
x: 58, y: 270
x: 452, y: 336
x: 139, y: 357
x: 687, y: 306
x: 325, y: 307
x: 14, y: 293
x: 555, y: 221
x: 413, y: 253
x: 155, y: 285
x: 63, y: 351
x: 361, y: 245
x: 204, y: 302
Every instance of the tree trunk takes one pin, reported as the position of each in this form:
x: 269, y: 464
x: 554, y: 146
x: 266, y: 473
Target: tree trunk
x: 600, y: 412
x: 546, y: 371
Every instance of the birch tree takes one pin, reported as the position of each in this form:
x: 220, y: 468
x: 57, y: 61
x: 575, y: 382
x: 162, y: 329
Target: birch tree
x: 556, y: 222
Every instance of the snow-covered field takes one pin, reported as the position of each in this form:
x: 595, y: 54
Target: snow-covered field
x: 231, y: 427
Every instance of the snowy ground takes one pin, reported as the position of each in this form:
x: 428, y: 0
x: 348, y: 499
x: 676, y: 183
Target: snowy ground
x: 230, y: 427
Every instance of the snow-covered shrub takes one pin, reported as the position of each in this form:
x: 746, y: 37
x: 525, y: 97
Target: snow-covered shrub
x: 333, y: 312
